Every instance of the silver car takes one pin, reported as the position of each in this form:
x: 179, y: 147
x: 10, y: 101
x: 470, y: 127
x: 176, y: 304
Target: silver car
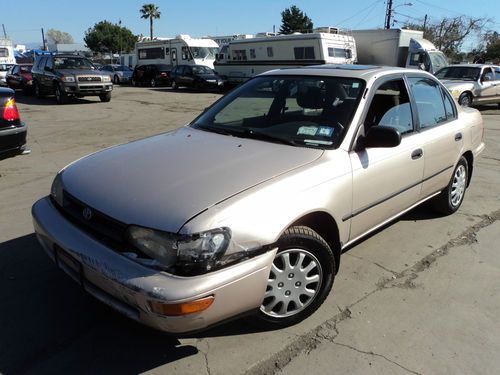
x: 119, y: 73
x: 248, y: 208
x: 472, y: 84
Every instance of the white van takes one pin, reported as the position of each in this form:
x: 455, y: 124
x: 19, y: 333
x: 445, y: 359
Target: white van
x: 7, y: 58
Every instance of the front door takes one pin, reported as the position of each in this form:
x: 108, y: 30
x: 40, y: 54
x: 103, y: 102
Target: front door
x: 174, y: 56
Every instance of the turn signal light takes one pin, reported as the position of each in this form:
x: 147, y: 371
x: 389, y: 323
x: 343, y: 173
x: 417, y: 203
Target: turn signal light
x: 178, y: 309
x: 10, y: 112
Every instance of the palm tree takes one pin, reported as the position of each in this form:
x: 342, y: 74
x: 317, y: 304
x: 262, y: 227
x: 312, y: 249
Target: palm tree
x: 150, y: 11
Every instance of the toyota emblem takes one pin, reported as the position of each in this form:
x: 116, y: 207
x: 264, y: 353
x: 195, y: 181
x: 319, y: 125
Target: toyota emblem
x: 87, y: 213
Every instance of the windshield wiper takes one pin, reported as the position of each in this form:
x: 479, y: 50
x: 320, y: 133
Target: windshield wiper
x: 250, y: 133
x: 214, y: 129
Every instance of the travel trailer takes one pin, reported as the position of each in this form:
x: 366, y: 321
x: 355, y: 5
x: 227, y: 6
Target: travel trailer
x: 180, y: 50
x: 242, y: 59
x: 398, y: 47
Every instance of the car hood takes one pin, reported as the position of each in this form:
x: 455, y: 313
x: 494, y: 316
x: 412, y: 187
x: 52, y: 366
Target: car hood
x: 208, y: 76
x: 163, y: 181
x: 79, y: 72
x: 454, y: 84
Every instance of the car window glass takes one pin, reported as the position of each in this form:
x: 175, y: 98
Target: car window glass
x: 497, y: 73
x: 15, y: 69
x: 49, y: 63
x: 487, y: 75
x: 390, y: 106
x: 41, y: 62
x: 430, y: 105
x: 448, y: 105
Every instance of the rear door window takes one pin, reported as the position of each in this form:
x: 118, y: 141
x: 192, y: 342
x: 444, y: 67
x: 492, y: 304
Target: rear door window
x: 429, y: 99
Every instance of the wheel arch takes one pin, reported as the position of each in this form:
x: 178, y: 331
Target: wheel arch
x: 326, y: 226
x: 470, y: 165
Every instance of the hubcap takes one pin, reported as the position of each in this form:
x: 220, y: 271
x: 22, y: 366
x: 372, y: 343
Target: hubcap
x: 294, y: 281
x: 458, y: 185
x: 465, y: 102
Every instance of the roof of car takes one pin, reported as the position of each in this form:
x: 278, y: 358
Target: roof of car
x: 470, y: 65
x: 344, y: 70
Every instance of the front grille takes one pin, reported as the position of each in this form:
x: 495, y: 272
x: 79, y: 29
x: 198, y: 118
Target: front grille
x: 106, y: 229
x: 89, y: 79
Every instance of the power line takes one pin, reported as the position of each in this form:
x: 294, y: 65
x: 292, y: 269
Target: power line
x: 359, y: 12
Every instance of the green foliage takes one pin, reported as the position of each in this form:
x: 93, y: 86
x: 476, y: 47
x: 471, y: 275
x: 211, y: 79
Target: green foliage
x: 294, y: 20
x: 108, y: 37
x: 58, y: 37
x: 151, y: 12
x: 492, y: 46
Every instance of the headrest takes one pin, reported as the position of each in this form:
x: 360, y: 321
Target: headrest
x: 310, y: 97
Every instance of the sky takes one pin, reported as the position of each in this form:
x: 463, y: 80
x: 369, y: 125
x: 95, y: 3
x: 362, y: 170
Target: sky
x: 217, y: 17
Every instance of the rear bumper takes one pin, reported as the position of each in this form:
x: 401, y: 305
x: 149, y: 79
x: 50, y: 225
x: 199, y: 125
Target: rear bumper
x: 129, y: 287
x: 12, y: 139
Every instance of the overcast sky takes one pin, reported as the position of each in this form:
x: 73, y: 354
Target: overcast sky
x: 218, y: 17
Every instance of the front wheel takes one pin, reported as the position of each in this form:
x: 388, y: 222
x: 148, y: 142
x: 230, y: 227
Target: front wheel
x: 38, y: 90
x: 450, y: 199
x: 116, y: 79
x: 174, y: 85
x: 105, y: 97
x: 301, y: 278
x: 153, y: 82
x: 61, y: 96
x: 465, y: 99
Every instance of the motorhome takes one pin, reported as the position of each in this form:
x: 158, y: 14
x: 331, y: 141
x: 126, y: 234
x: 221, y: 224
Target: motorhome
x: 242, y: 59
x: 7, y: 58
x: 175, y: 51
x: 398, y: 47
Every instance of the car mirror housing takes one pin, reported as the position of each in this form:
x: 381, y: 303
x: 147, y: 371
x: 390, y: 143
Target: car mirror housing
x: 47, y: 69
x: 381, y: 136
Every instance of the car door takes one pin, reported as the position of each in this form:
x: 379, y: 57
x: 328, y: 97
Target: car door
x: 13, y: 77
x: 48, y: 73
x: 386, y: 180
x: 188, y: 76
x: 442, y: 133
x: 497, y: 82
x: 487, y: 85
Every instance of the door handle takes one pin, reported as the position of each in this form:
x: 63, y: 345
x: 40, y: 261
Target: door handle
x: 458, y: 137
x: 417, y: 154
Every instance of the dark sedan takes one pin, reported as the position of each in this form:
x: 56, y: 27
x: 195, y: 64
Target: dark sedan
x: 195, y: 76
x: 12, y: 129
x: 151, y: 75
x: 20, y: 77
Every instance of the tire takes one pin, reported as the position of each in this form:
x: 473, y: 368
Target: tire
x: 152, y: 83
x: 38, y: 90
x: 116, y: 80
x: 174, y: 85
x: 134, y: 82
x: 105, y: 97
x: 465, y: 99
x: 61, y: 96
x: 301, y: 278
x: 451, y: 198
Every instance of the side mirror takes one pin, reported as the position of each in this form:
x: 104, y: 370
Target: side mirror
x: 486, y: 78
x: 381, y: 136
x: 47, y: 69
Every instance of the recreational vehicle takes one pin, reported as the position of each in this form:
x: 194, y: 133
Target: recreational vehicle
x: 181, y: 50
x: 7, y: 58
x: 242, y: 59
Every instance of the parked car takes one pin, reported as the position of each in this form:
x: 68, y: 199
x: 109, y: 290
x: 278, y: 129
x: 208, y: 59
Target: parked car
x: 4, y: 68
x: 119, y: 73
x: 12, y: 129
x: 19, y: 77
x: 195, y: 76
x: 276, y: 179
x: 68, y: 76
x: 472, y: 84
x: 151, y: 75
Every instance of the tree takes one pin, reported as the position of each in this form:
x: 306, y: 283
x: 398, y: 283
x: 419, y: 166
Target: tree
x: 109, y: 37
x: 294, y: 20
x: 152, y: 12
x: 492, y: 46
x: 448, y: 34
x: 58, y: 37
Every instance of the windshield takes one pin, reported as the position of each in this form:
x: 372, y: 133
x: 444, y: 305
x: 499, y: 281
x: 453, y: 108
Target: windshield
x: 200, y: 69
x: 438, y: 60
x: 72, y: 63
x: 123, y: 68
x: 295, y: 110
x: 204, y: 52
x: 26, y: 68
x: 462, y: 73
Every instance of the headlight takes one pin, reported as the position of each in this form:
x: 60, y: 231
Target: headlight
x: 68, y: 79
x: 56, y: 191
x: 200, y: 251
x: 106, y: 78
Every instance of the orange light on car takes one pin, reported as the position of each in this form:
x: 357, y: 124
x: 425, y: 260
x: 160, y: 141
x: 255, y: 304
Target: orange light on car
x: 185, y: 308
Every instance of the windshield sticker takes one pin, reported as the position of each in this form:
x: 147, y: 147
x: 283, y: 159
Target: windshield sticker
x: 325, y: 131
x: 307, y: 130
x: 355, y: 85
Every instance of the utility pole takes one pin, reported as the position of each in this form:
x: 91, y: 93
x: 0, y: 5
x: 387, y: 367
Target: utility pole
x: 425, y: 22
x: 388, y: 14
x: 44, y: 45
x: 4, y: 33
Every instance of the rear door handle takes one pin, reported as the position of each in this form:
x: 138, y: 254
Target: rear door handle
x: 458, y: 137
x: 417, y: 154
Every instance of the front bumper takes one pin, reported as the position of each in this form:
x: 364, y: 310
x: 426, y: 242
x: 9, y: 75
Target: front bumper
x: 12, y: 139
x: 87, y: 89
x: 128, y: 286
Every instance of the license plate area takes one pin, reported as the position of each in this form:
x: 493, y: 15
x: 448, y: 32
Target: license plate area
x: 69, y: 264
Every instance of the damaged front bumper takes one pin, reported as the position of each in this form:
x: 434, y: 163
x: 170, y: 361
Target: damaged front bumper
x: 132, y: 288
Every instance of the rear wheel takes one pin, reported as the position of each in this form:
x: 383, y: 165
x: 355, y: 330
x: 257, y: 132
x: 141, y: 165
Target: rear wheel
x: 105, y: 97
x: 174, y: 85
x: 301, y: 278
x: 450, y: 199
x: 152, y: 82
x: 465, y: 99
x: 38, y: 90
x: 116, y: 79
x: 61, y: 96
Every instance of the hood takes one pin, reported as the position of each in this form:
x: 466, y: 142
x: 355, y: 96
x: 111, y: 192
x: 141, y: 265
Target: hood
x: 456, y: 84
x: 80, y: 72
x: 206, y: 77
x: 163, y: 181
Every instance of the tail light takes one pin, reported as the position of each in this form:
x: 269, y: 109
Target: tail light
x: 10, y: 112
x: 163, y: 74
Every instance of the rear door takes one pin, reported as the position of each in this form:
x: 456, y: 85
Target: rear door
x: 488, y: 85
x: 442, y: 133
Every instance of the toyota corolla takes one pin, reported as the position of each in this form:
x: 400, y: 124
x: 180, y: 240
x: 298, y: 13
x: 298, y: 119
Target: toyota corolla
x: 247, y: 209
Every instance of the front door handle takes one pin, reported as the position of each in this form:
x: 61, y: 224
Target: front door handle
x: 458, y: 137
x: 417, y: 154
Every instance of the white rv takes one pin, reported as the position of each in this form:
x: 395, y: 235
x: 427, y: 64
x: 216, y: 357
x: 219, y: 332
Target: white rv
x: 242, y: 59
x: 7, y: 58
x: 180, y: 50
